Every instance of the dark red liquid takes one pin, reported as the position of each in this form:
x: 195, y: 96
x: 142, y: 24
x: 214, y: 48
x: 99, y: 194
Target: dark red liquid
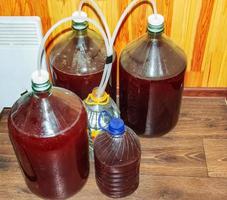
x: 78, y: 60
x: 150, y: 108
x: 83, y: 84
x: 117, y: 164
x: 51, y: 147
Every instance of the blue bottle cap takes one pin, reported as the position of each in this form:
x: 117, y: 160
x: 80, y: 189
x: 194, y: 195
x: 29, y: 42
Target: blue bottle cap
x: 116, y: 127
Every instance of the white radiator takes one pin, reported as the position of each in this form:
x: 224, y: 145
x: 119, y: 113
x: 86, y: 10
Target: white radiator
x: 20, y: 38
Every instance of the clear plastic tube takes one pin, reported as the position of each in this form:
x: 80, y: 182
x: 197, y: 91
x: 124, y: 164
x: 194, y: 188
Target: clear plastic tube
x: 109, y: 41
x: 109, y: 49
x: 107, y: 68
x: 106, y: 76
x: 125, y: 13
x: 100, y: 13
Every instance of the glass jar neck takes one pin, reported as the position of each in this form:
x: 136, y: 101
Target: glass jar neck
x: 154, y: 35
x: 80, y: 28
x: 44, y: 94
x: 80, y: 32
x: 41, y: 88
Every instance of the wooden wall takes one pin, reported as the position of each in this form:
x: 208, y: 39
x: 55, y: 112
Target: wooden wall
x: 198, y: 26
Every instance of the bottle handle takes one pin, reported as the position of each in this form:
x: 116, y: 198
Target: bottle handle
x: 99, y: 119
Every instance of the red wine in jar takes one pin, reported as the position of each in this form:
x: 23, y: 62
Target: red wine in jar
x: 152, y: 72
x: 150, y: 107
x: 78, y: 58
x: 48, y: 131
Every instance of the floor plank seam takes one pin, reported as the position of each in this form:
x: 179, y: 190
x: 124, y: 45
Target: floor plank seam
x: 180, y: 176
x: 207, y: 170
x: 199, y: 177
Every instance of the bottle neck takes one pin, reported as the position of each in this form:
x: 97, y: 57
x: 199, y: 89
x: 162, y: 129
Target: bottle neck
x: 155, y: 35
x: 41, y: 88
x: 155, y: 30
x: 80, y: 28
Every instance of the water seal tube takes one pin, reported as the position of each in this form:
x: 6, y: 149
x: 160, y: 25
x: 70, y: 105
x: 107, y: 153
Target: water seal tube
x: 126, y: 12
x: 100, y: 13
x: 109, y: 49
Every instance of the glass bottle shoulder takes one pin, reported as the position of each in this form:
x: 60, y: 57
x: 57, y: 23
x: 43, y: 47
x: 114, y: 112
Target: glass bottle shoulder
x: 121, y: 149
x: 46, y: 114
x: 78, y: 52
x: 153, y: 57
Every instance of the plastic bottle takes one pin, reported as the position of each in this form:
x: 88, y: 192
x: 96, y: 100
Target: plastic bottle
x: 94, y: 106
x: 78, y: 58
x: 117, y: 155
x: 48, y: 130
x: 152, y: 72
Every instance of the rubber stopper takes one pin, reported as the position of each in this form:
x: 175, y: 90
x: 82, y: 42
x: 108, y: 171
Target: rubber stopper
x: 156, y: 19
x: 40, y: 77
x: 155, y: 23
x: 79, y: 17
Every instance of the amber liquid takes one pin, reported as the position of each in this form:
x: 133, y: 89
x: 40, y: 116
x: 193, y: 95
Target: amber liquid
x: 117, y: 163
x: 150, y: 108
x: 54, y: 167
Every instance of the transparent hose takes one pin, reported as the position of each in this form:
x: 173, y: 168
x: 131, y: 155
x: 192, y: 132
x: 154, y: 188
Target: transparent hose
x: 100, y: 13
x: 125, y: 13
x: 109, y: 49
x: 107, y: 68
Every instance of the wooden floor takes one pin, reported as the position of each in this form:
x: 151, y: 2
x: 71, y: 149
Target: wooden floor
x: 188, y: 163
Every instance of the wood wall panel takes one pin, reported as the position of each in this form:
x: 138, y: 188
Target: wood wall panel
x: 214, y: 63
x: 184, y: 25
x: 197, y: 26
x: 203, y: 26
x: 165, y: 7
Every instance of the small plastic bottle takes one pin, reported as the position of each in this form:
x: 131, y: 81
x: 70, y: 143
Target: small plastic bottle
x: 117, y: 156
x: 94, y: 106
